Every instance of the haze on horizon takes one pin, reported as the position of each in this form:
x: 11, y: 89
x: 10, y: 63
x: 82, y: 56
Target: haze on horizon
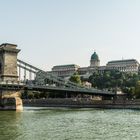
x: 53, y: 32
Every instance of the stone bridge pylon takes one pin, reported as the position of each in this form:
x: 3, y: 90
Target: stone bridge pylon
x: 9, y: 98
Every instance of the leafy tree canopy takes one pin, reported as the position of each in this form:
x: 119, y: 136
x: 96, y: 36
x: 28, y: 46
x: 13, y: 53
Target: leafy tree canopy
x: 111, y: 79
x: 75, y: 78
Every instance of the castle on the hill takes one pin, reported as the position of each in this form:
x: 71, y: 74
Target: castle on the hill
x: 127, y: 65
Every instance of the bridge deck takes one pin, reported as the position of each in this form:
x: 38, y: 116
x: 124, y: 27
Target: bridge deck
x: 90, y: 91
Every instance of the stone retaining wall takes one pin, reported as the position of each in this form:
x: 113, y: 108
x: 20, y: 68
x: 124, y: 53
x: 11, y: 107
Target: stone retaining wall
x: 84, y: 103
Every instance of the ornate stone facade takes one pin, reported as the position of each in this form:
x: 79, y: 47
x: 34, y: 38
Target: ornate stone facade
x: 128, y: 65
x: 65, y: 70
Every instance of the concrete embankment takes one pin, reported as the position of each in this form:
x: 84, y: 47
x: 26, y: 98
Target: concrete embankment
x: 83, y: 103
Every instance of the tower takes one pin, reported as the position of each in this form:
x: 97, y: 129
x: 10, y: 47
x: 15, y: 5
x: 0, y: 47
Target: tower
x: 8, y: 62
x: 94, y: 61
x: 9, y: 98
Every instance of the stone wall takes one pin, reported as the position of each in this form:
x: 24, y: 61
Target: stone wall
x: 84, y: 103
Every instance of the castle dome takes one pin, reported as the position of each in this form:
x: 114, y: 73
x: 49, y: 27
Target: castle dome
x: 94, y: 56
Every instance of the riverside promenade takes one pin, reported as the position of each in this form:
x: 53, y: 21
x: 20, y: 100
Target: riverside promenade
x: 82, y: 103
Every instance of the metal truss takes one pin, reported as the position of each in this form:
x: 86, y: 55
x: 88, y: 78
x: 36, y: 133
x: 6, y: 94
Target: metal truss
x: 46, y: 80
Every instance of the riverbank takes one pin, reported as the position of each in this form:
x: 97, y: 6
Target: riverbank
x: 82, y: 103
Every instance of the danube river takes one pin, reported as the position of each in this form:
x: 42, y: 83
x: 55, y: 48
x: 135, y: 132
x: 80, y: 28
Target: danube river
x: 70, y: 124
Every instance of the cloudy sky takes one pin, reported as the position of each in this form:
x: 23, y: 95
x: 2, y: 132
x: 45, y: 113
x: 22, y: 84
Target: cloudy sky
x: 53, y: 32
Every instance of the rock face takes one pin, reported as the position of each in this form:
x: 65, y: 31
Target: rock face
x: 9, y: 99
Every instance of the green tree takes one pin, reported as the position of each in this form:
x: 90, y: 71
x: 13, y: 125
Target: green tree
x: 137, y: 90
x: 114, y: 79
x: 75, y: 78
x: 30, y: 95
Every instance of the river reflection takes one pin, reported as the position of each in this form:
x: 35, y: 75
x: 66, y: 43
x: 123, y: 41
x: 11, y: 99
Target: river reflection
x: 69, y: 124
x: 9, y: 121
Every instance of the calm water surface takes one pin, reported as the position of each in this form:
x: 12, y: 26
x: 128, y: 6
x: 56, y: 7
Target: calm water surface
x: 70, y: 124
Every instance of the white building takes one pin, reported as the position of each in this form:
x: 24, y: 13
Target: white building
x: 65, y: 70
x: 128, y: 65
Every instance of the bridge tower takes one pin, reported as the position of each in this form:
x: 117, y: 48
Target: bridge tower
x: 9, y: 98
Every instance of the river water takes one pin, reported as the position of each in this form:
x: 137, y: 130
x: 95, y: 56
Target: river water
x: 70, y: 124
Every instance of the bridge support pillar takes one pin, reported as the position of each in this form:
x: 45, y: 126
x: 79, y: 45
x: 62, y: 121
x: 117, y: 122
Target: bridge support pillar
x: 9, y: 97
x: 10, y: 100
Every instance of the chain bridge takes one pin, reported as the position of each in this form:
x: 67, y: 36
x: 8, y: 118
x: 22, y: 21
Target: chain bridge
x: 45, y: 81
x: 17, y: 75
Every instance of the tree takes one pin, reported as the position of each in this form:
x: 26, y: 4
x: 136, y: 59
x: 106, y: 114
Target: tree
x: 137, y: 90
x: 114, y: 79
x: 30, y: 95
x: 75, y: 78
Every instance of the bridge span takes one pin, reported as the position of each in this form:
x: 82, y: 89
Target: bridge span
x: 13, y: 80
x: 20, y: 86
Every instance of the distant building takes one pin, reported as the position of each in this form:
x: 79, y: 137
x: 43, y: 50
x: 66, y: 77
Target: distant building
x: 94, y: 61
x: 128, y: 65
x: 94, y: 66
x: 65, y: 70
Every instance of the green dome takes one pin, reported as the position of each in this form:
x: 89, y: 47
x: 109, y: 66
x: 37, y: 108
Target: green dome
x: 94, y: 56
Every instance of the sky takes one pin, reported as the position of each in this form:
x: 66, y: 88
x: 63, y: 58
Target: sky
x: 57, y: 32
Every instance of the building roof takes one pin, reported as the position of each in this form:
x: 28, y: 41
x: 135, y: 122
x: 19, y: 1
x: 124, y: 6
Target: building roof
x: 69, y: 65
x: 125, y: 60
x: 8, y: 44
x: 94, y: 56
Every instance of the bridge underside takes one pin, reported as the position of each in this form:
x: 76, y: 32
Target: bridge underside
x: 19, y: 87
x: 68, y: 91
